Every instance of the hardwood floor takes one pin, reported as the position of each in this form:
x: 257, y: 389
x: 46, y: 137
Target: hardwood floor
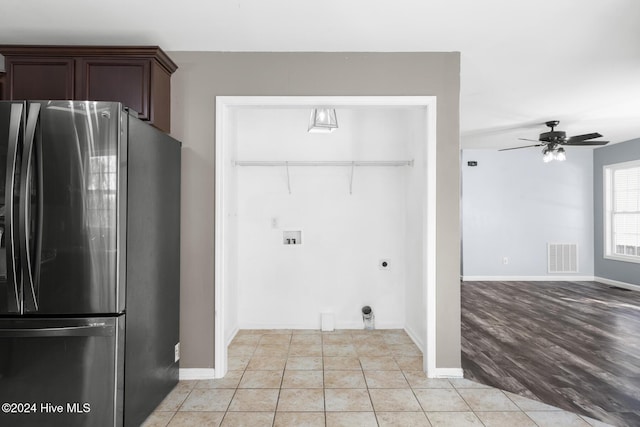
x: 574, y: 345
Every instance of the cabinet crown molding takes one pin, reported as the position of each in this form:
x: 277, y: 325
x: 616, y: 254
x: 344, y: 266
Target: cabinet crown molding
x: 138, y: 52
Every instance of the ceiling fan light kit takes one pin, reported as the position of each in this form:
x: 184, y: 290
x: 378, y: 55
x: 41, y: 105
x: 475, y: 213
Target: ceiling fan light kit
x: 555, y: 153
x: 553, y: 139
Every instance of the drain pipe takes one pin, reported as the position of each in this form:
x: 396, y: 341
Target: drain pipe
x: 368, y: 318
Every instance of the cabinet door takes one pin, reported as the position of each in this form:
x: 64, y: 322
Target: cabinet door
x: 119, y: 80
x: 39, y: 78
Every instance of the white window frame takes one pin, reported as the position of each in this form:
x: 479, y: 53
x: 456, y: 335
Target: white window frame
x: 607, y: 175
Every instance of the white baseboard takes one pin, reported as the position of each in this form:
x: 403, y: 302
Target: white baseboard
x: 527, y: 278
x: 338, y: 325
x: 617, y: 283
x: 601, y: 280
x: 446, y: 373
x: 260, y: 326
x: 232, y: 336
x: 196, y: 374
x: 416, y: 340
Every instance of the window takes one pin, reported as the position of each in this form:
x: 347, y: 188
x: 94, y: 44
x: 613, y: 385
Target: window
x: 622, y: 211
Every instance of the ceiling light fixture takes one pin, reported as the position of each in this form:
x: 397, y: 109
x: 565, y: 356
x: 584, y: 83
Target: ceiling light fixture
x: 553, y: 152
x: 323, y: 120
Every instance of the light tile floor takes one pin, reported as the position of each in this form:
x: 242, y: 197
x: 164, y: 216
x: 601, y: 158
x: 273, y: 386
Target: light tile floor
x: 343, y: 378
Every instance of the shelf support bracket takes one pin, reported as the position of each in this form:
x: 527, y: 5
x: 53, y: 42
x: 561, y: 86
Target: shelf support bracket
x: 286, y: 164
x: 353, y: 167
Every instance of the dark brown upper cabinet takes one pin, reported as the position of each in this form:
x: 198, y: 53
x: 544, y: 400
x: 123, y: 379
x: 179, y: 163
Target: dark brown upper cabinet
x: 39, y: 78
x: 137, y: 76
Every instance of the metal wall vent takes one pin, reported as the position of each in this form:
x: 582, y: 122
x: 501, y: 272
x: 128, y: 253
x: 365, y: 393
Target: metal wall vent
x: 563, y: 258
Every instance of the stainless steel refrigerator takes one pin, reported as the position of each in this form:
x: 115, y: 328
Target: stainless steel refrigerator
x: 89, y: 264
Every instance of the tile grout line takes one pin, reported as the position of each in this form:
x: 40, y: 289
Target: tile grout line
x: 467, y: 403
x: 366, y: 383
x: 523, y: 411
x: 284, y: 369
x: 235, y: 391
x: 324, y: 390
x: 413, y: 391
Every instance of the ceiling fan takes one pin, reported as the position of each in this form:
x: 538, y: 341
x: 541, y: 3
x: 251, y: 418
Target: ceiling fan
x: 554, y: 139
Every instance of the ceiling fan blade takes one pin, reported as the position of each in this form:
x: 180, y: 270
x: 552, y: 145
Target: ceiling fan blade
x: 584, y: 137
x: 527, y: 139
x: 517, y: 148
x: 585, y: 143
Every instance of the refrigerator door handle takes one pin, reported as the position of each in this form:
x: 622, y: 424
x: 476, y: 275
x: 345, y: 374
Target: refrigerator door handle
x: 15, y: 291
x: 25, y: 202
x: 92, y: 330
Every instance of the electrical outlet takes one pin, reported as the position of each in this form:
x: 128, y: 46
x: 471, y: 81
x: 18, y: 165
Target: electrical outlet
x: 505, y: 260
x: 176, y: 352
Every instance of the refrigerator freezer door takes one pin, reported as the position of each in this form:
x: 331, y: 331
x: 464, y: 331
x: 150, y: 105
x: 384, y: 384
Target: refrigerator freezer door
x: 72, y: 201
x: 61, y: 372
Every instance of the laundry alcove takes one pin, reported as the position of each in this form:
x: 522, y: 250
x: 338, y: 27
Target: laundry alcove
x: 303, y: 220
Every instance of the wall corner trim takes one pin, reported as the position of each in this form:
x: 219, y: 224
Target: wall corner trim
x: 196, y: 374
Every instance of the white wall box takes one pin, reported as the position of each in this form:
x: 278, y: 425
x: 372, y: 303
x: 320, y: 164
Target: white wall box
x: 292, y: 237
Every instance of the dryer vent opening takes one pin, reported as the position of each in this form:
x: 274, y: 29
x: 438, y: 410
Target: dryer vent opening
x: 368, y: 318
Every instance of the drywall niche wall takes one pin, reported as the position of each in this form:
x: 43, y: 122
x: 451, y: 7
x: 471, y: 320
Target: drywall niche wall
x: 283, y: 286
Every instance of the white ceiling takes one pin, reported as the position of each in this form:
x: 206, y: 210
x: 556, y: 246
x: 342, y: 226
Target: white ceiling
x: 523, y: 62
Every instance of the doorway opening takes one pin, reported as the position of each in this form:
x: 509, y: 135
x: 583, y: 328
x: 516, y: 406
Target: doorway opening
x: 316, y: 226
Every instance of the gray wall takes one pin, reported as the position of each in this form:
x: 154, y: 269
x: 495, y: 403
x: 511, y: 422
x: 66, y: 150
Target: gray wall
x: 204, y: 75
x: 621, y: 271
x: 514, y: 204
